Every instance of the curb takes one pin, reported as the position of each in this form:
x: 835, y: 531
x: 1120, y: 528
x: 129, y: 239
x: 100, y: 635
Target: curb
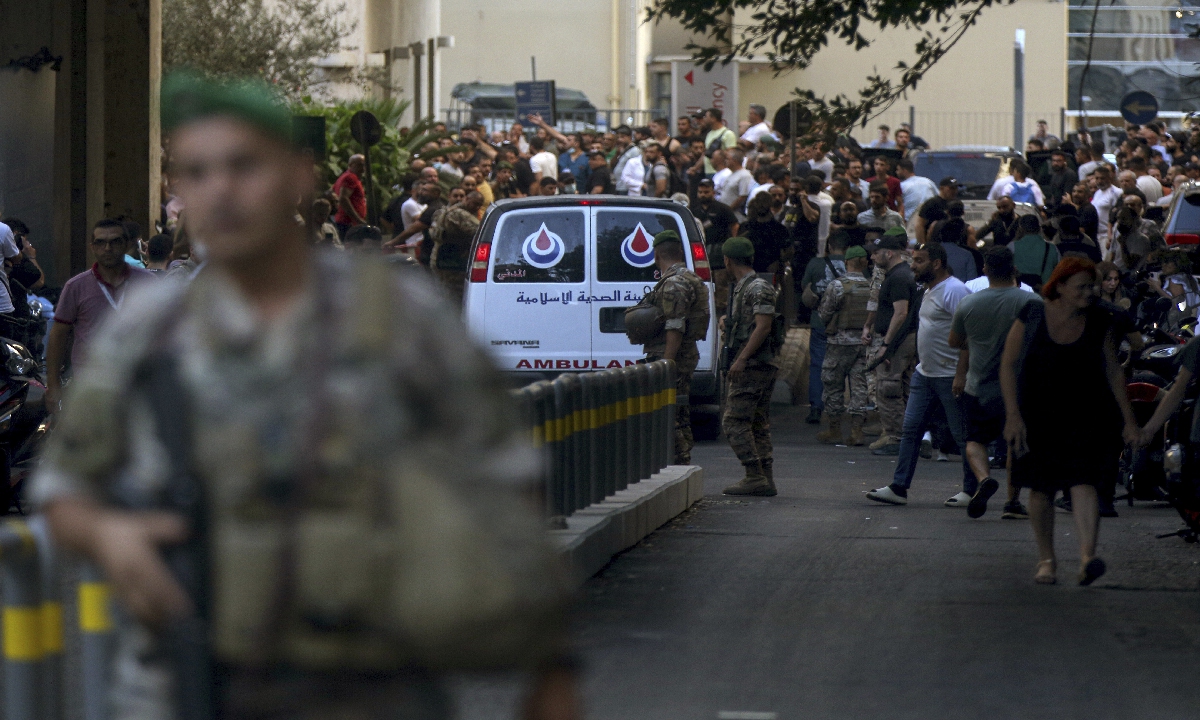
x: 598, y: 532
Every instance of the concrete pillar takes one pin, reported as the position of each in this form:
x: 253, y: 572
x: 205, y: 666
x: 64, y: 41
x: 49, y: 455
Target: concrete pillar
x: 132, y: 75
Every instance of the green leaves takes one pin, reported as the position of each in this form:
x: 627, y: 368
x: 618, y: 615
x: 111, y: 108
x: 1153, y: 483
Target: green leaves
x: 789, y: 34
x: 279, y: 41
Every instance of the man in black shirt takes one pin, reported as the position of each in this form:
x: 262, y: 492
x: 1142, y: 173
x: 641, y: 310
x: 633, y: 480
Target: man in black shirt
x: 719, y: 225
x: 891, y: 335
x: 1003, y: 225
x: 936, y: 208
x: 1062, y: 178
x: 600, y: 180
x: 522, y: 173
x: 1071, y: 240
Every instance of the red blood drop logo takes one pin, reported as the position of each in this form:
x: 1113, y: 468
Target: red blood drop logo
x: 640, y: 243
x: 543, y: 242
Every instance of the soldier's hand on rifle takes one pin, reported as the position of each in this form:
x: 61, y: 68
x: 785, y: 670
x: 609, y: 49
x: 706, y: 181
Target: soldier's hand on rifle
x: 127, y: 549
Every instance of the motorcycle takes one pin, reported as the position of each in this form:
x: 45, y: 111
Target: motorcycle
x: 24, y: 421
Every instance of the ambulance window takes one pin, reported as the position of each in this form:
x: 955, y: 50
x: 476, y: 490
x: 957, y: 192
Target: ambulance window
x: 624, y: 243
x: 542, y: 246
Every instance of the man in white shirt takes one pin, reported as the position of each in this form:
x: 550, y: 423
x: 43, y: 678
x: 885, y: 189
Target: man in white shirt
x: 721, y: 176
x: 915, y: 188
x: 633, y: 175
x: 758, y: 128
x: 8, y: 249
x: 1086, y: 162
x: 854, y: 171
x: 824, y: 203
x: 882, y: 141
x: 412, y: 208
x: 1150, y: 187
x: 1104, y: 199
x: 819, y: 161
x: 932, y: 381
x: 737, y: 187
x: 544, y: 163
x: 1021, y: 188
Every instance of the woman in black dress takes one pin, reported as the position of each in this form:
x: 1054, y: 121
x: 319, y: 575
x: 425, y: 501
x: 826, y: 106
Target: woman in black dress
x: 1068, y: 415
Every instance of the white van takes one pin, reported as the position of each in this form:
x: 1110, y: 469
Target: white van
x: 552, y: 277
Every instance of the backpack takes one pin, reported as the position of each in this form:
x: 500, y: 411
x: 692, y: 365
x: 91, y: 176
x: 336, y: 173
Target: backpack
x: 1022, y: 192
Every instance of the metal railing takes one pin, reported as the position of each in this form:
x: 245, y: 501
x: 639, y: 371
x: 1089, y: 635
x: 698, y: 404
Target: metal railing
x: 36, y: 629
x: 568, y: 120
x: 602, y: 431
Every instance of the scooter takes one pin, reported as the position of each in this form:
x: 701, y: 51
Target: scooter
x: 24, y: 421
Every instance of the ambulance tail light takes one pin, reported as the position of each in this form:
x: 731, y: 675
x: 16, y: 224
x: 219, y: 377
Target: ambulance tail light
x: 479, y: 268
x: 1182, y: 239
x: 700, y: 262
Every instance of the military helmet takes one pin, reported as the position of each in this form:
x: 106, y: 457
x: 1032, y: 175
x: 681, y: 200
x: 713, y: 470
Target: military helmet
x: 643, y: 323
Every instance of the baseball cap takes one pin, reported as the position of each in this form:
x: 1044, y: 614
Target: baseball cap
x: 890, y: 242
x: 949, y: 181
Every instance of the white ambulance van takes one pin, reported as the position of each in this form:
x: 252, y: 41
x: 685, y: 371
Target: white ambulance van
x: 552, y: 276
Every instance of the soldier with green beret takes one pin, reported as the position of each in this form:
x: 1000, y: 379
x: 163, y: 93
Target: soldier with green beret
x: 682, y: 297
x: 750, y: 349
x: 267, y: 464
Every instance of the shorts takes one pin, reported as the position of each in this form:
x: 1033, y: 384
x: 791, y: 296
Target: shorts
x: 983, y: 421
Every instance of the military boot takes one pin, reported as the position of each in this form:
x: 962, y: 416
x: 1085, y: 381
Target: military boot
x: 832, y: 436
x: 768, y: 467
x: 755, y: 482
x: 883, y: 441
x: 856, y: 431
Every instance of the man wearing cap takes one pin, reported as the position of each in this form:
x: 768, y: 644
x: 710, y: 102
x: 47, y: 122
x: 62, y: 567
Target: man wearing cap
x: 936, y: 208
x: 751, y: 369
x: 226, y: 453
x: 843, y: 310
x: 892, y: 342
x: 683, y: 299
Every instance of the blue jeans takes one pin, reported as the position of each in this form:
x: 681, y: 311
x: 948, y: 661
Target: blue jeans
x: 924, y: 394
x: 816, y: 355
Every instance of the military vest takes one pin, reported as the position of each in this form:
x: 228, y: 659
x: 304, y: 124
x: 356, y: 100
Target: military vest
x: 856, y: 294
x: 698, y: 314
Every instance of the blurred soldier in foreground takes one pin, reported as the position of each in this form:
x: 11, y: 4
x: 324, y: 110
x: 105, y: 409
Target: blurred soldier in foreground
x: 749, y: 359
x: 303, y: 484
x: 844, y: 310
x: 683, y: 299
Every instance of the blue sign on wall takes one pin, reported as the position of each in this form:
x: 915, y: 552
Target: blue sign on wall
x: 1139, y: 107
x: 536, y: 98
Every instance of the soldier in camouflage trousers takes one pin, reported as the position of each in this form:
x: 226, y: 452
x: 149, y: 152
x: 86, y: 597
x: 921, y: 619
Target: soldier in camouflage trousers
x: 843, y: 308
x: 683, y: 299
x: 751, y: 371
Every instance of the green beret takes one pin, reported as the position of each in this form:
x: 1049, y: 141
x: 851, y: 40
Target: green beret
x: 738, y: 247
x: 504, y: 165
x: 896, y: 231
x: 667, y: 236
x: 187, y: 97
x: 856, y: 252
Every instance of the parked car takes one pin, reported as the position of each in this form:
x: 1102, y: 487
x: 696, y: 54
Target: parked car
x: 1182, y: 226
x: 552, y: 277
x: 975, y: 168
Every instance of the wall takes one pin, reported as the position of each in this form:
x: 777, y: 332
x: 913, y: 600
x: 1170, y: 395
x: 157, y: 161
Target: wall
x: 494, y: 41
x: 967, y: 98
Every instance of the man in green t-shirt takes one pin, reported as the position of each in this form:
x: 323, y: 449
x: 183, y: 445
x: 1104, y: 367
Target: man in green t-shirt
x: 717, y: 137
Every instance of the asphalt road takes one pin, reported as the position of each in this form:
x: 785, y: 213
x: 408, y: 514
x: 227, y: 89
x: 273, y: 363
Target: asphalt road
x: 821, y: 604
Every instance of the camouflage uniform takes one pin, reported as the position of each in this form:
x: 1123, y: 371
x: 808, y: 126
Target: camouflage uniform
x: 453, y: 232
x: 400, y: 390
x: 845, y: 355
x: 683, y: 299
x: 747, y: 418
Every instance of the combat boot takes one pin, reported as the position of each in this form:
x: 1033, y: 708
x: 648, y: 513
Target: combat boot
x: 768, y: 467
x: 883, y: 441
x: 856, y: 431
x: 832, y: 436
x: 755, y: 482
